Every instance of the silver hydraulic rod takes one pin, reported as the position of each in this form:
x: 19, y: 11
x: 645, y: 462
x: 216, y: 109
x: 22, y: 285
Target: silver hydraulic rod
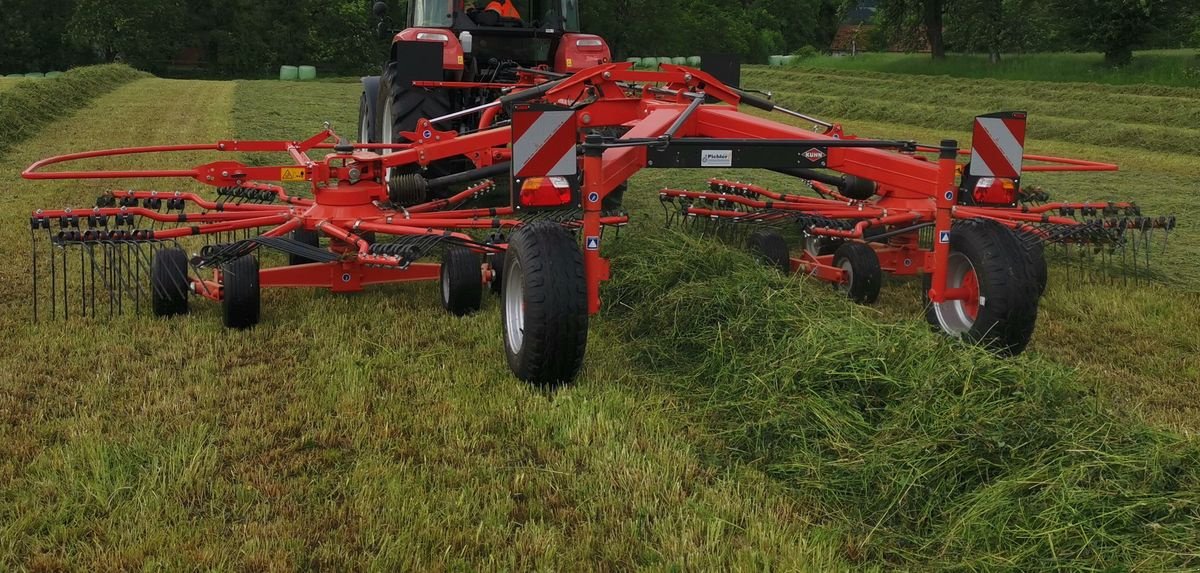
x: 465, y: 112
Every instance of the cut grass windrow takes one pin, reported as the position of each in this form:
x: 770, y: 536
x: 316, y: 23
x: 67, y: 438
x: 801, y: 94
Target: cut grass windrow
x: 30, y: 105
x: 1039, y: 99
x: 928, y: 453
x: 933, y: 115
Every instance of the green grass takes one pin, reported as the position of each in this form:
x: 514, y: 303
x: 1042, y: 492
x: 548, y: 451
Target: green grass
x: 8, y: 84
x: 30, y: 105
x: 930, y: 454
x: 727, y: 419
x: 1159, y: 67
x: 345, y: 432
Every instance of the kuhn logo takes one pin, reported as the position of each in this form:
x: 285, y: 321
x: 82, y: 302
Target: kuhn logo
x: 814, y: 155
x: 716, y: 158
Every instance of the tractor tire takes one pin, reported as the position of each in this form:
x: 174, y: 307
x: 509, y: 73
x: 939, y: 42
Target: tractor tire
x: 544, y: 308
x: 769, y: 247
x: 169, y: 284
x: 402, y: 106
x: 988, y: 257
x: 309, y: 237
x: 365, y: 121
x: 865, y: 277
x: 240, y: 300
x: 461, y: 281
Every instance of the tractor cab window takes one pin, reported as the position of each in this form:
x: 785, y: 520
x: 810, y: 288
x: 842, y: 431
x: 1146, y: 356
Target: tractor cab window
x: 431, y: 13
x: 550, y: 14
x: 558, y: 15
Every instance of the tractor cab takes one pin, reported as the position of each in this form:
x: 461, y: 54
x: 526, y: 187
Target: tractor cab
x: 481, y: 37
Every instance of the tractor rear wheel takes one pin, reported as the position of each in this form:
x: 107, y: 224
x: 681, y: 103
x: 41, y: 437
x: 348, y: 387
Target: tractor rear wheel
x: 768, y: 246
x: 863, y: 275
x: 1000, y: 308
x: 364, y: 121
x: 169, y: 283
x: 403, y: 105
x: 544, y: 310
x: 461, y: 281
x: 240, y: 301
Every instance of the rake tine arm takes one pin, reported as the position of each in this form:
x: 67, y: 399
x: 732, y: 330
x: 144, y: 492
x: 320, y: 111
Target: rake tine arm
x: 859, y: 230
x: 450, y: 223
x: 197, y: 200
x: 403, y: 230
x: 806, y: 204
x: 221, y: 227
x: 465, y: 214
x: 456, y: 199
x: 972, y: 213
x: 155, y: 215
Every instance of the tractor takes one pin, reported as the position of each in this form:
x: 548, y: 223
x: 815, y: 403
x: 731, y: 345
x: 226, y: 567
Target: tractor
x: 455, y: 56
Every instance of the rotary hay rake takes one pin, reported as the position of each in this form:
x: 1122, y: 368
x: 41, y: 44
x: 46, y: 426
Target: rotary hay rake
x: 558, y: 145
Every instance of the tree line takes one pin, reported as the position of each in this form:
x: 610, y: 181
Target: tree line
x: 248, y: 38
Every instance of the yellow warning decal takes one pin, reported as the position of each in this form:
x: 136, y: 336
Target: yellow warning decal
x: 569, y: 64
x: 291, y: 174
x: 460, y: 59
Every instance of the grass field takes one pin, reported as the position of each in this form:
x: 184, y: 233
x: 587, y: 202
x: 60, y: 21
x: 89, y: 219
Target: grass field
x: 373, y: 431
x: 8, y: 83
x: 1163, y: 67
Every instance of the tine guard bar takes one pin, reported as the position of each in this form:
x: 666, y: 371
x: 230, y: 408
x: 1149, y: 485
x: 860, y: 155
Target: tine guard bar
x: 296, y: 149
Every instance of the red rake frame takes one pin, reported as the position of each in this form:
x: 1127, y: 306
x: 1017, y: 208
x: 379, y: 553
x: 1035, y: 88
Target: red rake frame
x: 667, y: 124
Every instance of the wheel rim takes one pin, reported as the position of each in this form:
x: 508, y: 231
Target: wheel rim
x: 514, y: 307
x: 385, y: 134
x: 849, y: 268
x: 956, y: 317
x: 364, y: 125
x: 445, y: 286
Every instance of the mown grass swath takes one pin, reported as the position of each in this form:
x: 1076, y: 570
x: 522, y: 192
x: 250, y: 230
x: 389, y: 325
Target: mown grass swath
x: 30, y: 105
x: 928, y: 453
x: 912, y: 103
x: 1153, y: 67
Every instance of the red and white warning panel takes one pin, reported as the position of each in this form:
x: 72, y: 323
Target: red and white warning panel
x: 998, y: 145
x: 544, y: 140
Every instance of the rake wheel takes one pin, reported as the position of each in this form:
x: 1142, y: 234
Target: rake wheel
x: 240, y: 301
x: 544, y: 310
x: 461, y: 281
x: 169, y: 282
x: 863, y: 274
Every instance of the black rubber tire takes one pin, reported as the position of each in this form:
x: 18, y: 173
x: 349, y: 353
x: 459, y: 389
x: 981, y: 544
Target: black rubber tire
x: 866, y: 277
x: 496, y: 260
x: 461, y: 281
x: 309, y: 237
x: 365, y: 123
x: 169, y: 284
x: 240, y: 301
x: 545, y: 263
x: 1036, y: 252
x: 768, y: 246
x: 409, y: 104
x: 1007, y: 284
